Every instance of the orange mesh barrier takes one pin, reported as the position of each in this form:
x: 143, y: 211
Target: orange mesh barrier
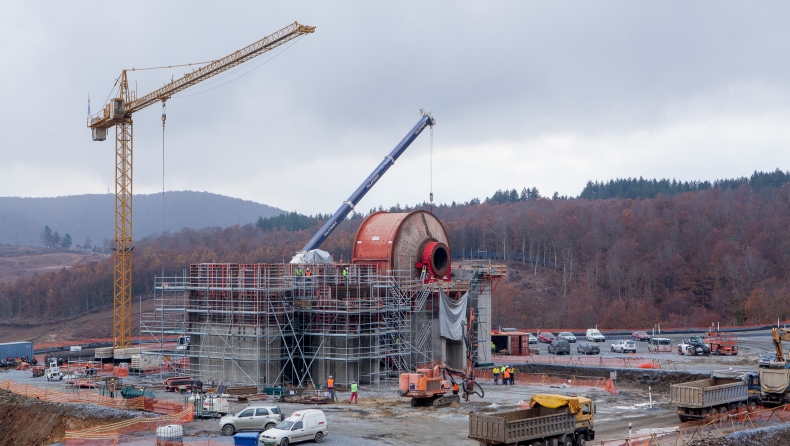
x: 121, y: 371
x: 76, y: 397
x: 718, y: 425
x: 100, y: 434
x: 626, y: 362
x: 544, y: 379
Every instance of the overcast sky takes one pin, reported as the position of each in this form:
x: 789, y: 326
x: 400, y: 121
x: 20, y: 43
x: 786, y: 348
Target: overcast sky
x: 545, y: 94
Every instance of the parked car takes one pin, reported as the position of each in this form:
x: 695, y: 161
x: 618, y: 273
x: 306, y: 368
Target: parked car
x: 560, y: 347
x: 593, y: 335
x: 766, y: 359
x: 254, y: 418
x: 624, y: 346
x: 693, y: 346
x: 304, y: 425
x: 660, y: 345
x: 588, y: 348
x: 640, y: 336
x: 546, y: 337
x: 566, y: 335
x: 532, y: 338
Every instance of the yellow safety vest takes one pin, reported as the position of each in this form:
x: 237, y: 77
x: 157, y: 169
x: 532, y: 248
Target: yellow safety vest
x: 354, y: 388
x: 496, y: 370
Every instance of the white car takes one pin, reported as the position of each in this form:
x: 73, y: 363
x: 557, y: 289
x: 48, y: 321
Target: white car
x: 255, y: 418
x: 624, y: 346
x: 532, y: 338
x: 304, y: 425
x: 566, y: 335
x: 593, y: 335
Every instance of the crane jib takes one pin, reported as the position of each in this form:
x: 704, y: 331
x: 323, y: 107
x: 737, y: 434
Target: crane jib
x: 371, y: 180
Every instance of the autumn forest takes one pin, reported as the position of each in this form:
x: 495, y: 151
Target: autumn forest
x: 716, y: 253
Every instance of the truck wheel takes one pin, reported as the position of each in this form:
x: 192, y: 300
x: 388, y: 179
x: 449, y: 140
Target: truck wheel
x: 538, y: 443
x: 580, y: 441
x: 415, y: 402
x: 683, y: 418
x: 228, y: 429
x: 568, y: 441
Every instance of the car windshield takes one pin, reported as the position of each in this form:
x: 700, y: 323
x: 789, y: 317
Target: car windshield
x: 285, y: 425
x: 768, y: 356
x: 565, y: 333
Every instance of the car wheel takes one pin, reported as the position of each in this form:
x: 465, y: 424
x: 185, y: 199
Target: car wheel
x: 612, y: 349
x: 284, y: 441
x: 228, y: 429
x: 319, y: 437
x: 268, y: 426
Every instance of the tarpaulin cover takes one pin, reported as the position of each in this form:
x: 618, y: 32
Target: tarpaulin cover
x: 740, y: 375
x: 312, y: 256
x: 451, y: 316
x: 556, y: 401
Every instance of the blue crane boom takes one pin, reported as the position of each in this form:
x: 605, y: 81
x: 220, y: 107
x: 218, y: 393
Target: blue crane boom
x: 425, y: 120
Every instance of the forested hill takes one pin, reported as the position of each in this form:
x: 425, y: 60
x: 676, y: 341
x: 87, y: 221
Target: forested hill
x: 641, y: 188
x: 92, y: 216
x: 689, y: 259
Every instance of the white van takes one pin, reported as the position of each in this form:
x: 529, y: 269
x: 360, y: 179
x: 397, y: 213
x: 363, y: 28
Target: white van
x: 304, y: 425
x: 593, y: 335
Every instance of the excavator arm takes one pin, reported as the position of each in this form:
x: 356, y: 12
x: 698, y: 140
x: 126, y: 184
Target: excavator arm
x: 778, y: 335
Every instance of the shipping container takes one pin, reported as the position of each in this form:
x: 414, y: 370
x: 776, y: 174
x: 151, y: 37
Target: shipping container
x: 16, y: 349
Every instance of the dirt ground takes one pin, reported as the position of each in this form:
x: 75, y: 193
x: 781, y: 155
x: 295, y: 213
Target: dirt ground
x: 25, y: 261
x: 28, y: 421
x: 773, y: 436
x: 384, y: 418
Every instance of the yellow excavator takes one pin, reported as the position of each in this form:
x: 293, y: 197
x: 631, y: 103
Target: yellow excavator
x: 775, y: 380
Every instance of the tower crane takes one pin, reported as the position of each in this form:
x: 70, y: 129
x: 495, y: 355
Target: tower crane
x: 118, y: 113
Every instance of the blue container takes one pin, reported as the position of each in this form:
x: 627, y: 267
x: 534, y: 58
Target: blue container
x: 246, y: 439
x: 16, y: 349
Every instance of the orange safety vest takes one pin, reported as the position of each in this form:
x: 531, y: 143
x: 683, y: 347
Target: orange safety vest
x: 330, y: 383
x: 507, y: 373
x: 455, y: 387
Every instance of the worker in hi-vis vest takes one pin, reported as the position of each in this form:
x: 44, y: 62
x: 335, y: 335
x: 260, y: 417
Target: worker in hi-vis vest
x: 330, y: 384
x: 354, y: 393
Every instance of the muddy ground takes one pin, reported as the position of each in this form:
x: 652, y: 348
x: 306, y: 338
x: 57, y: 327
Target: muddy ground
x: 386, y: 419
x: 28, y: 421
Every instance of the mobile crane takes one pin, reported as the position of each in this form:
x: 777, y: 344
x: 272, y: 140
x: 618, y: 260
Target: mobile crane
x: 118, y: 113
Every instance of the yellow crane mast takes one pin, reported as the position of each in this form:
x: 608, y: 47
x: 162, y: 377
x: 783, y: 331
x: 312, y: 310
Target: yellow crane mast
x: 118, y: 113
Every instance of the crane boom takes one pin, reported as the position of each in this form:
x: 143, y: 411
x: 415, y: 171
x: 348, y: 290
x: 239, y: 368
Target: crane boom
x: 118, y: 114
x: 268, y: 43
x: 342, y: 212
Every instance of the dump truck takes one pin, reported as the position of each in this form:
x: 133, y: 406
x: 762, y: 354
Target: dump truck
x: 775, y: 380
x: 722, y: 392
x: 550, y: 420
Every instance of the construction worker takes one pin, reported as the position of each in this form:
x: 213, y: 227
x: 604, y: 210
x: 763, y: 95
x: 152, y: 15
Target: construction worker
x: 512, y: 376
x: 493, y: 347
x: 298, y: 273
x: 354, y: 393
x: 345, y: 274
x: 496, y: 375
x: 112, y: 388
x: 505, y: 375
x: 308, y: 273
x: 330, y: 384
x: 455, y: 388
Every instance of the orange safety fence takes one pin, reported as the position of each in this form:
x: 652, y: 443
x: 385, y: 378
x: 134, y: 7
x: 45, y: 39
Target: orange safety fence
x: 546, y: 380
x: 715, y: 426
x: 109, y: 433
x: 625, y: 362
x: 87, y: 397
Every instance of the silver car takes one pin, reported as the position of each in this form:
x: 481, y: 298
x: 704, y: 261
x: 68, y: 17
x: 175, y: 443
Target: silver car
x: 253, y: 418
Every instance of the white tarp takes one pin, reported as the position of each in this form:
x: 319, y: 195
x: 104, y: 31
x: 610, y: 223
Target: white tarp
x: 313, y: 256
x: 452, y: 315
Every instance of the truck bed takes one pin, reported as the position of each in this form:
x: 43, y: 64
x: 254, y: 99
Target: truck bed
x: 520, y: 425
x: 708, y: 392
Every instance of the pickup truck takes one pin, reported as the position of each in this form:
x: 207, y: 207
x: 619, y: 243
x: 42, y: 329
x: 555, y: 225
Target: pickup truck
x: 722, y: 392
x: 551, y: 419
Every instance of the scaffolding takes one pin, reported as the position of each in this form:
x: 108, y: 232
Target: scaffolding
x: 287, y: 324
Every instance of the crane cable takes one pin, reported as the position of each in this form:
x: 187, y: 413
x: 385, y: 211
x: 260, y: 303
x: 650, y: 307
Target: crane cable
x: 164, y: 118
x: 431, y: 169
